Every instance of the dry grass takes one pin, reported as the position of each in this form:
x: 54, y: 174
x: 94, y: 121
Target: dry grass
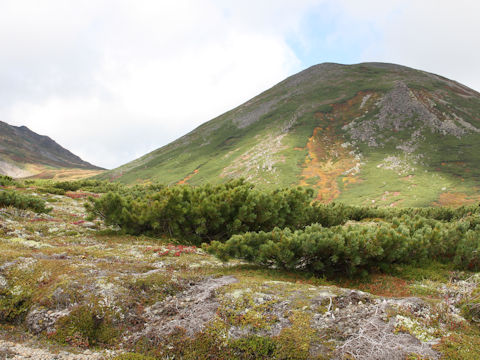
x: 381, y: 285
x: 65, y: 174
x: 456, y: 199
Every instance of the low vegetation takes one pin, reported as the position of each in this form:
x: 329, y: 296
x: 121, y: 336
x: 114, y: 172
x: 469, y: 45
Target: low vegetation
x: 204, y: 213
x: 285, y: 229
x: 326, y: 283
x: 359, y: 248
x: 7, y: 181
x: 21, y: 201
x: 86, y: 185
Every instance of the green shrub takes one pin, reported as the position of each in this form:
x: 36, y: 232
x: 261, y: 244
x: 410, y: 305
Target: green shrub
x: 7, y: 181
x: 95, y: 186
x: 51, y: 190
x: 467, y: 255
x: 357, y: 248
x: 338, y: 213
x: 22, y: 201
x: 203, y: 213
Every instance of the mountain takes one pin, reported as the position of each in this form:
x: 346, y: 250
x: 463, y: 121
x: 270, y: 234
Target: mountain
x: 25, y: 153
x: 371, y: 133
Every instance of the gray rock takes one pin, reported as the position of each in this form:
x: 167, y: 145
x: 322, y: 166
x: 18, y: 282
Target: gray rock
x: 89, y: 225
x: 40, y: 319
x: 164, y: 317
x: 3, y: 282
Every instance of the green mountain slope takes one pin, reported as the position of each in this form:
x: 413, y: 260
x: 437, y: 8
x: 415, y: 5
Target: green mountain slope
x: 367, y: 133
x: 25, y: 153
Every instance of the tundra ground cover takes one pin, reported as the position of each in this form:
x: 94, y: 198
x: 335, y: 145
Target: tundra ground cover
x: 78, y: 289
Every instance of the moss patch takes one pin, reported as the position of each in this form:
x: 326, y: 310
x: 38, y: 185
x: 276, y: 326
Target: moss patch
x: 87, y: 326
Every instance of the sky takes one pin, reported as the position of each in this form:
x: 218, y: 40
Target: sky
x: 112, y: 80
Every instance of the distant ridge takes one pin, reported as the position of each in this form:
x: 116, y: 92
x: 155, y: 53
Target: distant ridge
x: 25, y: 153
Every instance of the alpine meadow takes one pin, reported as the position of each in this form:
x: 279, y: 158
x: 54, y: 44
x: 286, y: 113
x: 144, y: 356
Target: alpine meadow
x: 336, y: 215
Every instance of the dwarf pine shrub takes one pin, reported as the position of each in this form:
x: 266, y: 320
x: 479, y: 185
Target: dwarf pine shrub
x: 22, y: 201
x: 357, y: 248
x: 203, y: 213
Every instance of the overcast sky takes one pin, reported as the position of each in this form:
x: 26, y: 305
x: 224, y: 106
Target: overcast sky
x: 111, y: 80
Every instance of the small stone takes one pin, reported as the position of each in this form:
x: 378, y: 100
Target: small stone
x: 88, y: 224
x: 3, y: 282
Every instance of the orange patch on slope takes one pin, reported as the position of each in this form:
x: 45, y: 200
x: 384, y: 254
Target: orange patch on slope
x: 456, y: 199
x: 188, y: 177
x: 326, y: 158
x: 350, y: 109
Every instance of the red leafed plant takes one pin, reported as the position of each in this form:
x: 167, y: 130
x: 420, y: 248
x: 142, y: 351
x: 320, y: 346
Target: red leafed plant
x: 80, y: 195
x: 78, y: 222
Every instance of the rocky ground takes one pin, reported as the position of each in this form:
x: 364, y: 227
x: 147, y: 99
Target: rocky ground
x: 74, y: 289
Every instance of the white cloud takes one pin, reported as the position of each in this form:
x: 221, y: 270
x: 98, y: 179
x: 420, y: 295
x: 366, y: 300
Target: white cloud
x: 111, y: 80
x: 439, y: 36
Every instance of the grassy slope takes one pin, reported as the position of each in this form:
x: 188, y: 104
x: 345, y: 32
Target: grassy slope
x: 326, y: 96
